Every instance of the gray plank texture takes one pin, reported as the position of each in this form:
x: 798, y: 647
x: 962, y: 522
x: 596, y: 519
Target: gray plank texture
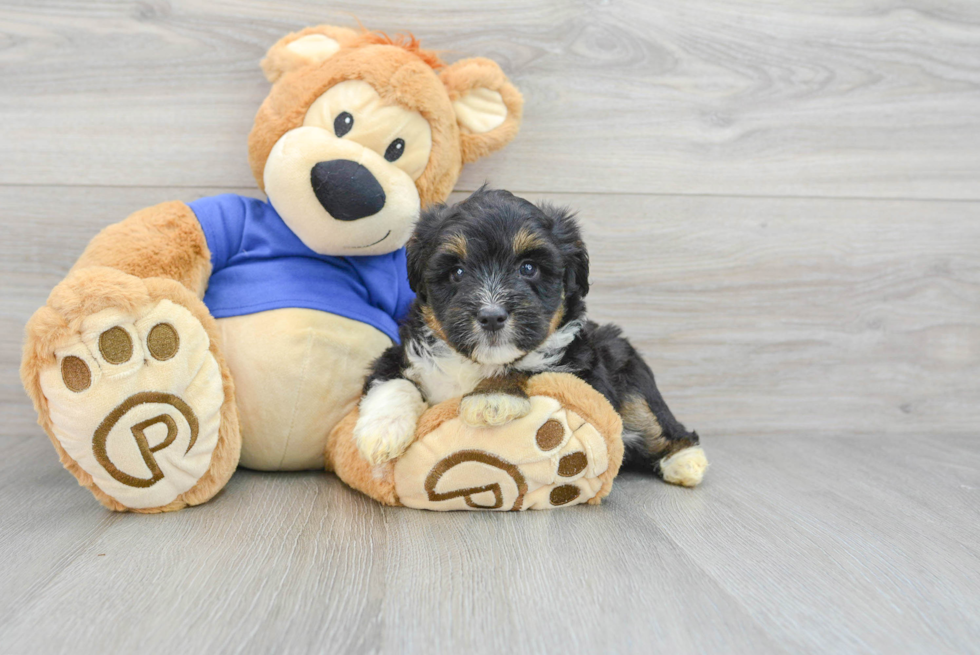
x: 870, y: 98
x: 782, y: 208
x: 792, y: 545
x: 760, y: 316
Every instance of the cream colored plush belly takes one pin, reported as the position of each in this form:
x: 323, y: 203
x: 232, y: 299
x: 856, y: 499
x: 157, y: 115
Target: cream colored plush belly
x: 297, y: 373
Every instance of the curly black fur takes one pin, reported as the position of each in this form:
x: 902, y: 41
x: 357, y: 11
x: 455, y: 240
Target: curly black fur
x: 467, y: 256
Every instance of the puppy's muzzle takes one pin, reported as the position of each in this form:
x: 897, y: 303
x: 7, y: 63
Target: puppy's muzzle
x: 346, y: 189
x: 492, y: 318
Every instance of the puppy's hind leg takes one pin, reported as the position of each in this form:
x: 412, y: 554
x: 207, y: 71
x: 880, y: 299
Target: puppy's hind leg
x: 658, y: 438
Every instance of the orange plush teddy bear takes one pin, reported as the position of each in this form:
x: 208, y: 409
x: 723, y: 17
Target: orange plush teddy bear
x: 191, y: 337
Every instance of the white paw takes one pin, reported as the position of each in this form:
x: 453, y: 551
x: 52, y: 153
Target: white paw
x: 685, y: 467
x: 491, y: 409
x: 388, y: 416
x: 136, y: 400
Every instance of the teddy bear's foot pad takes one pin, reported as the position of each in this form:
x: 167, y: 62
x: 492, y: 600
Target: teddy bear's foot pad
x: 550, y: 458
x: 135, y: 401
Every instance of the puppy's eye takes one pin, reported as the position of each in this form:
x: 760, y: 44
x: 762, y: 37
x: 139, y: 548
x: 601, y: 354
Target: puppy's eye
x: 395, y: 149
x: 456, y: 274
x: 342, y: 124
x: 529, y: 269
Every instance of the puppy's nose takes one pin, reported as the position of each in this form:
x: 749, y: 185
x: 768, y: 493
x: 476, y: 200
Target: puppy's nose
x: 347, y: 190
x: 492, y: 318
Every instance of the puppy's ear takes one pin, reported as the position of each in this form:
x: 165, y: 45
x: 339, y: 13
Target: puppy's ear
x: 568, y: 238
x: 421, y: 245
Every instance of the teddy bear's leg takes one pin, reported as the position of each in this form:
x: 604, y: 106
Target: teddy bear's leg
x: 130, y: 384
x: 566, y: 450
x: 344, y: 458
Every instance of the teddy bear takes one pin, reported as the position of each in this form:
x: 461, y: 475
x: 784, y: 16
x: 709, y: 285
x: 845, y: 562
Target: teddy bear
x: 193, y: 337
x: 565, y: 451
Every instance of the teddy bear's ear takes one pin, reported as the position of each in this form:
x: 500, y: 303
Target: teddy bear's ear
x: 308, y: 47
x: 488, y: 107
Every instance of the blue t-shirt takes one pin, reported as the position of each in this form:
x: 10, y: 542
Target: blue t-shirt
x: 260, y: 264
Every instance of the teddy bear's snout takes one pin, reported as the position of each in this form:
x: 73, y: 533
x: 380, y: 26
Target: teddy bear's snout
x: 346, y: 189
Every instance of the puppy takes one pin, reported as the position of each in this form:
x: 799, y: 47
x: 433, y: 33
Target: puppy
x: 500, y: 287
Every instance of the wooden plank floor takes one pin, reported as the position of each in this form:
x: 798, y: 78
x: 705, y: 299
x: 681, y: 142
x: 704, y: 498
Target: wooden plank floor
x: 793, y: 545
x: 782, y: 204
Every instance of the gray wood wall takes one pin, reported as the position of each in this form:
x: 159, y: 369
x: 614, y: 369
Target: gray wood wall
x: 781, y: 199
x: 783, y: 209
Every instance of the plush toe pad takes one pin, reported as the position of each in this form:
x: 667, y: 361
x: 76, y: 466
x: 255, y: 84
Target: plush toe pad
x: 550, y: 458
x: 136, y: 400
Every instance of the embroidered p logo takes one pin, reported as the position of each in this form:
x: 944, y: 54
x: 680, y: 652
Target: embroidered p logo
x: 470, y: 494
x: 135, y: 400
x: 175, y: 410
x: 552, y: 457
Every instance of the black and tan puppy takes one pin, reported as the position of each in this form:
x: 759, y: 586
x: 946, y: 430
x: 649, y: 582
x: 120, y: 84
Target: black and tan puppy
x: 501, y: 286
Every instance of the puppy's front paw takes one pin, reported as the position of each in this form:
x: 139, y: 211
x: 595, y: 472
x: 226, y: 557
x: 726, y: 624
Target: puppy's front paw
x: 382, y: 438
x: 491, y: 409
x: 388, y: 416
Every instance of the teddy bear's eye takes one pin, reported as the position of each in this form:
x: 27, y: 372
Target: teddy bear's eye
x: 343, y: 124
x: 395, y: 149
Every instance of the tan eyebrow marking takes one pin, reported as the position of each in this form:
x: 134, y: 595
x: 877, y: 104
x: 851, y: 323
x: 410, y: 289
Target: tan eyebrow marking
x: 526, y: 240
x: 455, y: 244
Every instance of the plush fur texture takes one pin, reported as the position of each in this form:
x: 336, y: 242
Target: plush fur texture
x: 285, y: 412
x: 403, y: 74
x: 501, y: 286
x: 90, y: 290
x: 469, y: 74
x: 571, y: 393
x: 161, y: 252
x: 165, y: 241
x: 574, y: 395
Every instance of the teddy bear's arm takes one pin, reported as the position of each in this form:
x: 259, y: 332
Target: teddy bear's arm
x: 163, y: 241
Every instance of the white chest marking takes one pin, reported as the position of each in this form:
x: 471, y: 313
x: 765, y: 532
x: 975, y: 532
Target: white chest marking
x: 442, y: 373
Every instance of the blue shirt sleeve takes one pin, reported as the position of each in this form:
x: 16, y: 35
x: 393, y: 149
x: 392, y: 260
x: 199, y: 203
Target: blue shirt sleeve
x: 222, y: 219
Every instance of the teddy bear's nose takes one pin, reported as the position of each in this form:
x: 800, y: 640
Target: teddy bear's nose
x: 347, y: 190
